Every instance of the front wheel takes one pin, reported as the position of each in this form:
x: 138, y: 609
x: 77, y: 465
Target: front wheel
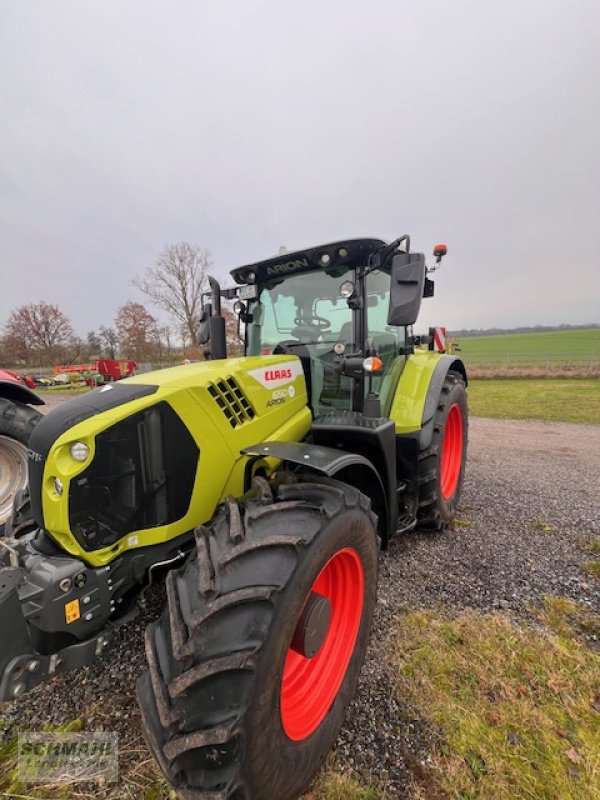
x: 257, y: 656
x: 442, y: 464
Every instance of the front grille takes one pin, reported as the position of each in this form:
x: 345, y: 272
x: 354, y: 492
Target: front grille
x: 142, y: 476
x: 232, y: 401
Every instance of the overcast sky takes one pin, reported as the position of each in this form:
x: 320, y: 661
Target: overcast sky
x: 242, y: 126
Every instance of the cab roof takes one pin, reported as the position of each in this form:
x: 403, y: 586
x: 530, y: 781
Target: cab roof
x: 345, y: 254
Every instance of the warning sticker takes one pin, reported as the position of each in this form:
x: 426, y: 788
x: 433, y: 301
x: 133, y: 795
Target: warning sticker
x: 72, y: 611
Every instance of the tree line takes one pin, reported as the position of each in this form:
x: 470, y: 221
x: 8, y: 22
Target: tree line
x: 41, y: 334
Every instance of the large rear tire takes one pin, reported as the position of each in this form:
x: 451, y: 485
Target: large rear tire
x: 256, y: 658
x: 442, y: 464
x: 17, y: 421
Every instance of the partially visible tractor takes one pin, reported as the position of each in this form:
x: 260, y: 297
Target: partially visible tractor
x: 18, y: 418
x: 263, y: 488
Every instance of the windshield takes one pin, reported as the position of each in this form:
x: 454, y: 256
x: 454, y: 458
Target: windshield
x: 306, y: 308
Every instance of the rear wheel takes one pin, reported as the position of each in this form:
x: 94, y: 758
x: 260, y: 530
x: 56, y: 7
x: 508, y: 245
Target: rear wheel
x: 254, y: 661
x: 17, y: 421
x: 442, y: 464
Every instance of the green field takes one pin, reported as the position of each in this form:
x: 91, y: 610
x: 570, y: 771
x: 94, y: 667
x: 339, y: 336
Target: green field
x: 559, y: 400
x: 542, y: 351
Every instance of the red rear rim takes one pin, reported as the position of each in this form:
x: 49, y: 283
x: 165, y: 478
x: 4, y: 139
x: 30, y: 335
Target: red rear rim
x: 310, y: 685
x: 452, y: 451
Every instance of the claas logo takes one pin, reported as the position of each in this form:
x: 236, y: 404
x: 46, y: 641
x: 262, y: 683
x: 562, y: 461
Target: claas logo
x: 277, y: 374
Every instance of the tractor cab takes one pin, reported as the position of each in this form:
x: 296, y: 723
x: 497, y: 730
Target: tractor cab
x: 344, y: 309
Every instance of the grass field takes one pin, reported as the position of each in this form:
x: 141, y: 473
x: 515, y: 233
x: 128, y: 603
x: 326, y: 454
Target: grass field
x: 560, y: 400
x: 68, y: 390
x: 517, y: 709
x: 544, y: 353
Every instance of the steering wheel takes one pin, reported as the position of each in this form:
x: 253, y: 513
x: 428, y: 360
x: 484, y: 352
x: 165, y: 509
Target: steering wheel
x: 313, y: 321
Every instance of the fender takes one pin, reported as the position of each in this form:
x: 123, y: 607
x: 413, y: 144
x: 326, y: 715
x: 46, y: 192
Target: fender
x: 18, y: 393
x: 328, y: 461
x: 444, y: 365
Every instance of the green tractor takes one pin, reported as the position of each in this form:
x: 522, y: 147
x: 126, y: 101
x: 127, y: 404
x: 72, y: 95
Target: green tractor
x: 262, y: 487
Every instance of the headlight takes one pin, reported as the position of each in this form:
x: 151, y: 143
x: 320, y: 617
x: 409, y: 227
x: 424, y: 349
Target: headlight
x: 346, y: 289
x: 79, y: 451
x: 58, y: 486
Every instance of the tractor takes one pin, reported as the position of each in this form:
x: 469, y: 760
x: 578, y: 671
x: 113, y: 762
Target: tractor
x: 17, y: 420
x: 262, y: 489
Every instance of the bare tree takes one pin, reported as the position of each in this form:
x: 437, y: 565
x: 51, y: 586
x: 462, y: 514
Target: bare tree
x: 93, y: 345
x: 137, y: 331
x: 176, y: 283
x: 109, y: 340
x: 165, y: 343
x: 41, y: 330
x: 13, y: 350
x: 233, y: 334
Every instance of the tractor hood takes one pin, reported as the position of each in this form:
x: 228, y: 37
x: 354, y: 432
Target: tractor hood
x: 146, y: 459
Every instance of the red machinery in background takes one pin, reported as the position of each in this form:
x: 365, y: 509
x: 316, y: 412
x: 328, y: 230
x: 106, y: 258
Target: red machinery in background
x: 110, y: 369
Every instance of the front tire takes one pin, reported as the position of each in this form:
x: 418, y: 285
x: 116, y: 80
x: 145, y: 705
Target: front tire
x: 17, y: 421
x: 257, y: 656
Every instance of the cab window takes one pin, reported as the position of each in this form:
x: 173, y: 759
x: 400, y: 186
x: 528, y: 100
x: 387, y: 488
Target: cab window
x: 306, y: 308
x: 387, y: 341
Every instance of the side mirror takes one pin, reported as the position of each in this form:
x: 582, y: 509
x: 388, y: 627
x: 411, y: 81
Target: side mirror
x: 203, y: 331
x: 406, y: 288
x: 211, y: 324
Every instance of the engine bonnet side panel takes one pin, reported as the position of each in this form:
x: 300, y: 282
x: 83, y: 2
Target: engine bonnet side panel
x: 160, y: 461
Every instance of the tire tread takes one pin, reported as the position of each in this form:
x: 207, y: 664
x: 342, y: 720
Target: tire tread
x: 194, y: 598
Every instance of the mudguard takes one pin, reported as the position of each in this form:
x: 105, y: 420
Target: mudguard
x: 417, y: 393
x: 326, y: 460
x: 329, y: 461
x: 444, y: 365
x: 19, y: 393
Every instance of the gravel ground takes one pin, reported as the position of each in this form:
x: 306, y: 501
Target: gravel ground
x: 520, y: 474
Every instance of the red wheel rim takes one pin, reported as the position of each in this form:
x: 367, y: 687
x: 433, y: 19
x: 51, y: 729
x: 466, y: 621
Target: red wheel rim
x: 310, y: 685
x: 452, y: 451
